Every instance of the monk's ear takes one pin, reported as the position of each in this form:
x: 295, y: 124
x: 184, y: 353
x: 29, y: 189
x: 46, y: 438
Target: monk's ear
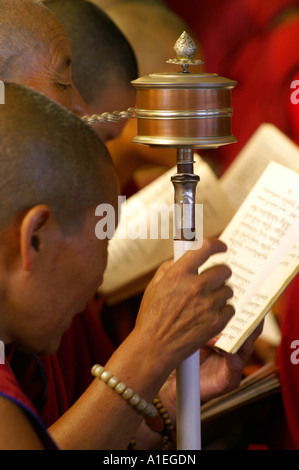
x: 34, y: 230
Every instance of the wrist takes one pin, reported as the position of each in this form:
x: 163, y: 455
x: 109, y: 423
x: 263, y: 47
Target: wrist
x: 136, y: 363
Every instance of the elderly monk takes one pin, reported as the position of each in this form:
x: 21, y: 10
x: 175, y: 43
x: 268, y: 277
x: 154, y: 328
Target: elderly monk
x: 36, y: 52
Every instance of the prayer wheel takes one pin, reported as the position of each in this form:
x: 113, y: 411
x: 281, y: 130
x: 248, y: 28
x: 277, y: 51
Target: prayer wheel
x: 184, y: 110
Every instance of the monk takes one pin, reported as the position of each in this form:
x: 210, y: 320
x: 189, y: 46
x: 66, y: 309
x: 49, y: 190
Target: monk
x: 49, y: 248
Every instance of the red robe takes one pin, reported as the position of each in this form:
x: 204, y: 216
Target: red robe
x: 240, y: 42
x: 288, y: 360
x: 54, y: 383
x: 10, y: 389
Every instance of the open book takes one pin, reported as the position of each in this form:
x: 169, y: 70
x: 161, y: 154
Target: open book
x: 263, y: 251
x: 130, y: 260
x: 267, y: 144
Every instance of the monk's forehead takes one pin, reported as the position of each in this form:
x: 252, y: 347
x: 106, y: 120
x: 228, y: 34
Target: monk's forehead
x: 57, y: 46
x: 38, y: 26
x: 52, y: 35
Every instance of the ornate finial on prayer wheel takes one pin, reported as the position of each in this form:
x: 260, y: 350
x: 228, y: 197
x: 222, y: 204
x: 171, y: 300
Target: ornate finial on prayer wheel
x: 185, y: 49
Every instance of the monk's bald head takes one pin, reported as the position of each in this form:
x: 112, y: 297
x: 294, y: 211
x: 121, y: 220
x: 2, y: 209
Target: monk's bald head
x: 49, y: 156
x: 22, y: 26
x: 35, y: 51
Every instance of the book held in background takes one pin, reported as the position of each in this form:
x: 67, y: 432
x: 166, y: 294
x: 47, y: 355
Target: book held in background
x: 261, y: 383
x: 255, y: 205
x: 130, y: 258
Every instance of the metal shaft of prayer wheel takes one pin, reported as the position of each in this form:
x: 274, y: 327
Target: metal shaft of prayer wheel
x: 185, y: 111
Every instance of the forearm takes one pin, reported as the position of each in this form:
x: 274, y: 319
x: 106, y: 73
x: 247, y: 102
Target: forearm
x: 95, y: 420
x: 172, y: 323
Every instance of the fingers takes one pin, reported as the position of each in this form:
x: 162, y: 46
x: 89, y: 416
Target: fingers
x: 246, y: 349
x: 190, y: 261
x: 188, y: 305
x: 219, y: 308
x: 222, y: 315
x: 220, y: 296
x: 213, y: 278
x: 227, y: 311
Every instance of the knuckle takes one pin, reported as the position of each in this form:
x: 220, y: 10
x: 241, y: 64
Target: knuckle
x: 228, y: 311
x: 229, y: 292
x: 208, y: 245
x: 195, y: 288
x: 210, y: 304
x: 224, y: 271
x: 227, y: 270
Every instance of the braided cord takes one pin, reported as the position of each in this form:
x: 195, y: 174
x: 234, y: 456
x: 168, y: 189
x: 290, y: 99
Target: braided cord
x: 115, y: 116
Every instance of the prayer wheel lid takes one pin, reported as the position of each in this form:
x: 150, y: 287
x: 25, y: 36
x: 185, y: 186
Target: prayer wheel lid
x: 184, y: 80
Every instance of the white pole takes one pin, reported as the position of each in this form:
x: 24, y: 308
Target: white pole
x: 188, y: 387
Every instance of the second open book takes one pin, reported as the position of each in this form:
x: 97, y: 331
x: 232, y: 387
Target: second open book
x: 256, y: 202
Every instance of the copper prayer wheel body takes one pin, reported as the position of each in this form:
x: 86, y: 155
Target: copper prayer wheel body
x: 184, y: 110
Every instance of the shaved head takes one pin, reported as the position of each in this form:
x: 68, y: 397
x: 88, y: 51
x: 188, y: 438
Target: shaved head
x: 49, y: 156
x: 21, y: 34
x: 35, y: 52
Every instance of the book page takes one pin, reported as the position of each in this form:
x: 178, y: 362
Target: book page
x: 130, y: 259
x: 267, y: 144
x: 262, y: 237
x: 248, y: 318
x: 271, y: 331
